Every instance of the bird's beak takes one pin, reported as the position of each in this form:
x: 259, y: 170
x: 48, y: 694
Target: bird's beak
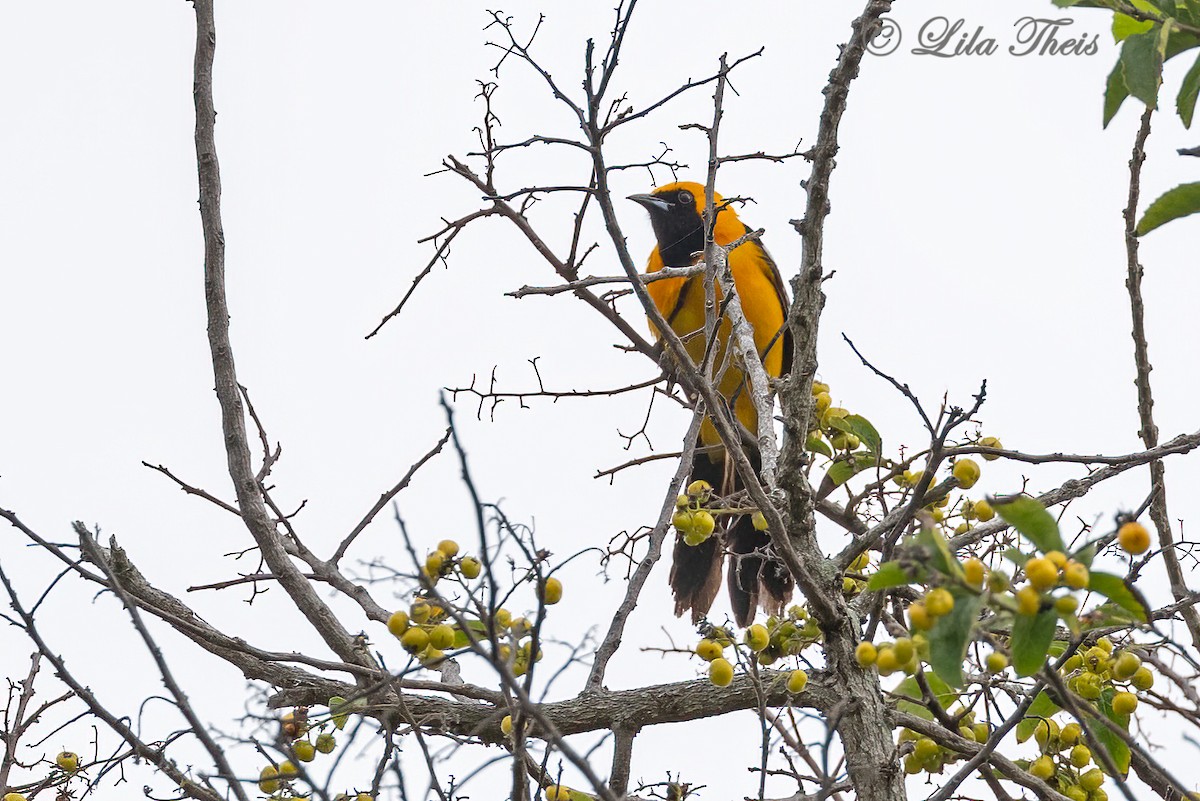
x: 651, y: 202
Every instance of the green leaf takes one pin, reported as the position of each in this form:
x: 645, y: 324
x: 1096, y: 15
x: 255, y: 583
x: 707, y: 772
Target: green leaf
x: 1032, y: 520
x: 1117, y: 749
x: 1177, y: 202
x: 861, y: 427
x: 335, y: 703
x: 909, y: 688
x: 1115, y: 92
x: 1042, y: 707
x: 1085, y: 555
x: 1141, y: 61
x: 889, y: 574
x: 1185, y: 101
x: 1031, y: 638
x: 1116, y: 590
x: 1125, y: 26
x: 940, y: 558
x: 816, y: 444
x: 841, y: 471
x: 950, y: 635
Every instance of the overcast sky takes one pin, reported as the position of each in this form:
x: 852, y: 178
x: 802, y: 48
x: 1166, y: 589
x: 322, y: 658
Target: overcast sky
x: 976, y: 234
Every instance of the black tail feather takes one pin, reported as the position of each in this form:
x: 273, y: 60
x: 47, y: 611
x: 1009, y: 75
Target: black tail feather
x: 755, y: 577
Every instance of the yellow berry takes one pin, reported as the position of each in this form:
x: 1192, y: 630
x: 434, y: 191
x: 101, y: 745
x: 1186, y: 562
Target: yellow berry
x: 503, y: 618
x: 1046, y: 732
x: 998, y: 581
x: 974, y: 572
x: 996, y: 662
x: 720, y: 672
x: 990, y: 442
x: 441, y: 636
x: 304, y: 750
x: 912, y: 765
x: 420, y: 611
x: 1088, y: 686
x: 797, y: 681
x: 1124, y: 703
x: 470, y: 567
x: 708, y: 650
x: 1076, y: 793
x: 287, y: 770
x: 1075, y: 574
x: 904, y: 650
x: 1066, y: 605
x: 506, y: 725
x: 1105, y: 644
x: 757, y: 637
x: 939, y: 602
x: 1091, y: 780
x: 982, y: 732
x: 682, y: 520
x: 983, y: 511
x: 698, y: 488
x: 1042, y: 767
x: 68, y: 761
x: 398, y: 623
x: 414, y: 640
x: 865, y: 654
x: 1057, y: 558
x: 13, y: 797
x: 1081, y: 755
x: 557, y: 792
x: 703, y: 523
x: 1133, y: 538
x: 818, y: 387
x: 918, y: 616
x: 967, y: 472
x: 1029, y: 601
x: 1126, y: 666
x: 268, y: 779
x: 886, y: 661
x: 924, y: 748
x: 449, y: 548
x: 434, y: 562
x: 1041, y: 572
x: 326, y: 743
x: 553, y: 592
x: 822, y: 402
x: 1143, y: 678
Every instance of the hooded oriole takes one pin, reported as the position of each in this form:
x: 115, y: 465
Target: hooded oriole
x: 677, y: 215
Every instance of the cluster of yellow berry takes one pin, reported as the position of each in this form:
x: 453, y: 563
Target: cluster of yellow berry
x: 927, y: 755
x: 695, y: 522
x: 423, y: 631
x: 905, y: 654
x: 276, y: 779
x: 1064, y: 761
x: 443, y: 562
x: 777, y: 638
x: 1098, y: 669
x: 825, y: 424
x: 923, y: 613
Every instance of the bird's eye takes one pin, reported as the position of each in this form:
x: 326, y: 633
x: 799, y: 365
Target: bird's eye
x: 685, y: 198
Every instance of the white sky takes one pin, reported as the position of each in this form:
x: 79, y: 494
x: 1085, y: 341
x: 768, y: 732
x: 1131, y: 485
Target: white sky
x: 975, y: 234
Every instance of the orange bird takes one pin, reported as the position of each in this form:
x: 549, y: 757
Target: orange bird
x: 677, y: 215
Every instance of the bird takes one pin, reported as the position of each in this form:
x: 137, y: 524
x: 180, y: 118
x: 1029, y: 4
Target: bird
x: 755, y: 576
